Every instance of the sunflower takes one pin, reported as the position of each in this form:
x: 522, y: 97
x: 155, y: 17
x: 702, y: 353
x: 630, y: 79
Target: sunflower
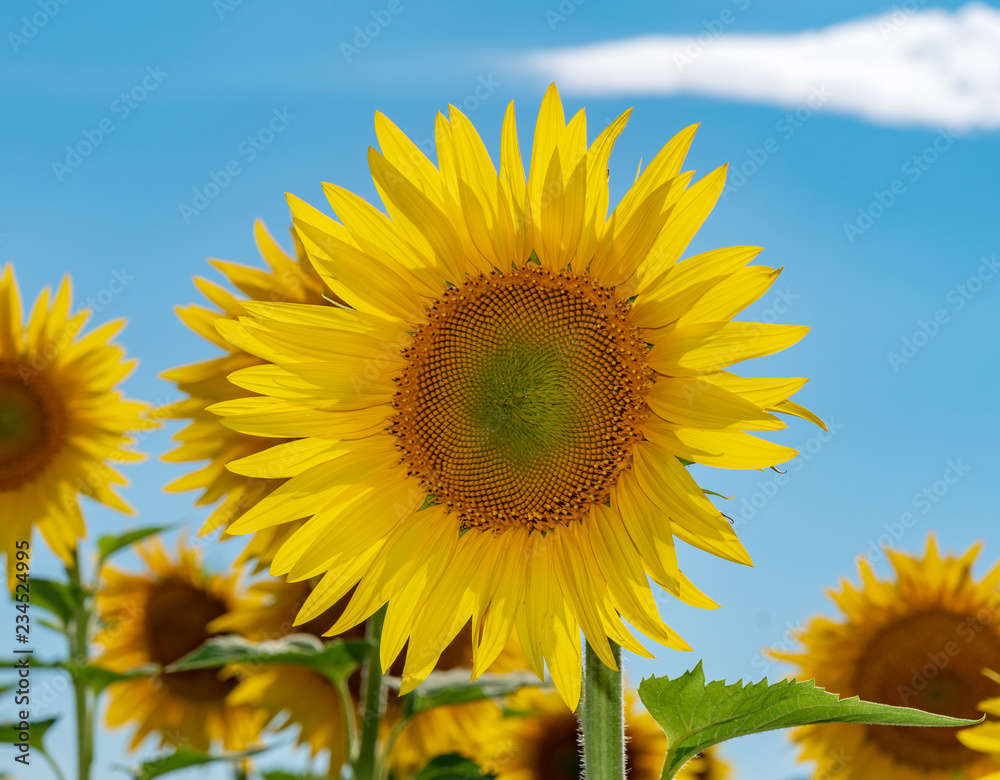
x: 707, y: 765
x: 295, y: 695
x: 986, y: 736
x: 288, y: 694
x: 62, y: 422
x: 205, y: 383
x: 539, y: 740
x: 496, y: 429
x: 158, y: 617
x: 918, y: 640
x: 443, y: 730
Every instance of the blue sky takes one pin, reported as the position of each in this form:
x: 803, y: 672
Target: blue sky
x: 177, y: 92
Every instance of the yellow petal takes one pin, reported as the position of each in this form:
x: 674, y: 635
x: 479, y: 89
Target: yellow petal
x: 723, y: 449
x: 697, y: 402
x: 713, y: 346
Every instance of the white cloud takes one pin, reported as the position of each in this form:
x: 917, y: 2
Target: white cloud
x: 923, y: 67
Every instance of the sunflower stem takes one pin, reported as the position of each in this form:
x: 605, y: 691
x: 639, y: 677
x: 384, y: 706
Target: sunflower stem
x: 78, y: 634
x: 350, y: 719
x: 602, y: 717
x: 373, y: 703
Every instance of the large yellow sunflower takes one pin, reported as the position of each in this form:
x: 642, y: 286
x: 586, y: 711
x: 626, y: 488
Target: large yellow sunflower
x: 158, y: 617
x: 295, y: 695
x: 919, y: 640
x: 496, y: 426
x: 540, y: 740
x: 205, y: 383
x: 62, y: 422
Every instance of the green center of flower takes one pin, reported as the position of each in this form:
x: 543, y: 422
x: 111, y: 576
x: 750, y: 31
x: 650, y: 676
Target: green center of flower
x: 933, y: 661
x: 521, y: 396
x: 32, y: 424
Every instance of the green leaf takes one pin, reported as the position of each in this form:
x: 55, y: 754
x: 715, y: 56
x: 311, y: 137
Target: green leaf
x: 98, y: 678
x: 335, y: 660
x: 182, y: 759
x: 59, y: 628
x: 55, y: 597
x: 36, y: 732
x: 109, y: 545
x: 279, y: 775
x: 441, y: 689
x: 36, y: 663
x: 696, y: 715
x: 452, y: 767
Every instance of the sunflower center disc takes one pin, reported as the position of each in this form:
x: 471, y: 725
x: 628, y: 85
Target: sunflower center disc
x: 32, y: 424
x: 558, y: 755
x: 177, y: 618
x: 932, y: 661
x: 520, y: 397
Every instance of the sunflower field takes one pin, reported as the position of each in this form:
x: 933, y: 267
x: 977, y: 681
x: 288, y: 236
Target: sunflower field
x: 588, y: 391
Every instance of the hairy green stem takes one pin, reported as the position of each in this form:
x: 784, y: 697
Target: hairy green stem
x: 78, y: 634
x: 373, y: 701
x: 602, y: 717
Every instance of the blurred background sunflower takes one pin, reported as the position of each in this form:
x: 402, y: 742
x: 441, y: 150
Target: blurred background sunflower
x: 985, y: 737
x: 63, y: 421
x: 157, y: 617
x: 918, y: 639
x: 205, y: 437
